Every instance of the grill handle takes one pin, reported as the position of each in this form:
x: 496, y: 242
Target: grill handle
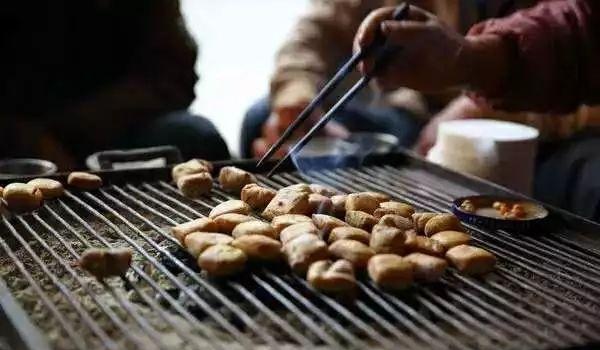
x: 105, y: 160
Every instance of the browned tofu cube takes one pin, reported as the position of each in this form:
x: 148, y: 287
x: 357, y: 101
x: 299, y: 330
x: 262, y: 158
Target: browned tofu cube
x: 256, y: 196
x: 386, y: 239
x: 326, y: 223
x: 349, y: 232
x: 295, y: 230
x: 227, y: 222
x: 259, y: 247
x: 282, y: 221
x: 339, y: 205
x: 390, y: 271
x: 22, y: 197
x: 254, y: 227
x: 201, y: 224
x: 451, y: 239
x: 197, y: 242
x: 303, y: 250
x: 230, y: 206
x: 192, y: 166
x: 299, y: 188
x: 322, y: 190
x: 360, y: 219
x: 471, y: 260
x: 195, y: 185
x: 287, y: 202
x: 422, y: 244
x: 426, y: 268
x: 364, y: 201
x: 50, y: 188
x: 354, y: 251
x: 319, y: 204
x: 420, y: 220
x: 442, y: 222
x: 328, y: 277
x: 395, y: 208
x: 83, y: 181
x: 396, y: 221
x: 233, y: 179
x: 222, y: 260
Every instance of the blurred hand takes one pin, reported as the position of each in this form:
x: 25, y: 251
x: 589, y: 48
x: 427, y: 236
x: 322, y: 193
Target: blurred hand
x: 430, y: 55
x: 461, y: 108
x: 279, y: 121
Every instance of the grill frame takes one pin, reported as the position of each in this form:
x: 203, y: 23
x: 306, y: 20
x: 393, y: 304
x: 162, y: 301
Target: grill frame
x: 584, y: 237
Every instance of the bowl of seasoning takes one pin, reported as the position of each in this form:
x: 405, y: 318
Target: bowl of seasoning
x: 500, y: 212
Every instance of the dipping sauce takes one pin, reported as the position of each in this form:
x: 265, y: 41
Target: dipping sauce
x: 503, y: 208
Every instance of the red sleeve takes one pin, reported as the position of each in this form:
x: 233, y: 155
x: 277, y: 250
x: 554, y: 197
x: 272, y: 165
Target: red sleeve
x: 554, y: 57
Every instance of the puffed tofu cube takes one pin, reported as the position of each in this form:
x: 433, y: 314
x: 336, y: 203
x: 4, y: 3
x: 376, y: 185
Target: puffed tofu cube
x: 197, y: 242
x: 387, y: 239
x: 349, y: 232
x: 363, y: 201
x: 104, y: 263
x: 354, y: 251
x: 259, y: 247
x: 451, y: 239
x: 426, y: 268
x: 233, y: 179
x: 287, y: 202
x: 396, y: 221
x: 322, y: 190
x: 195, y: 185
x: 472, y: 261
x: 222, y: 260
x: 83, y: 181
x: 360, y: 219
x: 395, y: 208
x: 390, y: 271
x: 339, y: 205
x: 326, y: 223
x: 230, y: 206
x: 319, y: 204
x: 442, y: 222
x: 201, y: 224
x: 256, y: 196
x: 282, y: 221
x: 192, y: 166
x: 254, y: 227
x: 421, y: 219
x: 328, y: 277
x: 300, y: 188
x: 422, y: 244
x: 295, y: 230
x: 303, y: 250
x: 50, y: 188
x: 22, y: 197
x: 227, y: 222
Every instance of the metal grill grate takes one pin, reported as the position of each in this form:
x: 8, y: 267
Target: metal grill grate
x: 544, y: 294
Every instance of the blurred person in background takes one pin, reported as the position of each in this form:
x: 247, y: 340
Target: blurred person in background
x: 90, y: 75
x: 319, y: 43
x: 539, y: 60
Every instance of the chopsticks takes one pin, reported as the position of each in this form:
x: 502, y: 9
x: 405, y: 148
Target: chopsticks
x: 379, y: 49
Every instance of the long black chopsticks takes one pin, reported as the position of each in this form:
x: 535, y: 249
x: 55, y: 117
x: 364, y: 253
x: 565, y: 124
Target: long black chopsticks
x: 379, y: 49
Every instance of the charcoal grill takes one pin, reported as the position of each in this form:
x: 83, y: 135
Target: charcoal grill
x: 544, y: 294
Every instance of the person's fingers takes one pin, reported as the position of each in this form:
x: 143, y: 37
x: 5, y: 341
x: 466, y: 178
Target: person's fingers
x: 418, y: 14
x: 403, y: 32
x: 259, y: 147
x: 270, y: 129
x: 368, y: 28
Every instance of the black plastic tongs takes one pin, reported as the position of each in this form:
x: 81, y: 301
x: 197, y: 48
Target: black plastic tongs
x: 379, y: 49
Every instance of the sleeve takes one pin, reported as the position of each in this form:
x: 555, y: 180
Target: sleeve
x: 554, y: 50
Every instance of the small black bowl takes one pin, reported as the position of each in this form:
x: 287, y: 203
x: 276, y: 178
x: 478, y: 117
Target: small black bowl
x: 530, y: 224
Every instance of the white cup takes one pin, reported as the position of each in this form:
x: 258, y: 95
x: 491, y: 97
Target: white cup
x: 499, y: 151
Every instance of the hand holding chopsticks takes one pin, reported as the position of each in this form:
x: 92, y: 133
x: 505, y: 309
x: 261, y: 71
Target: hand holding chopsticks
x: 378, y: 50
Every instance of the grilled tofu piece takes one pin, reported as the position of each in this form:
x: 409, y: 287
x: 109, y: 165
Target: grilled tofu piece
x: 22, y: 197
x: 422, y: 244
x: 396, y: 221
x: 364, y: 201
x: 326, y: 223
x: 254, y: 227
x: 259, y: 247
x: 298, y: 188
x: 222, y: 260
x: 50, y: 188
x: 104, y: 263
x: 451, y: 239
x: 192, y: 166
x: 195, y: 185
x: 322, y: 190
x: 197, y: 242
x: 354, y: 251
x: 198, y: 225
x: 319, y: 204
x: 395, y: 208
x: 348, y: 232
x: 303, y: 250
x: 339, y: 205
x: 387, y: 240
x: 426, y: 268
x: 227, y: 222
x: 442, y: 222
x: 472, y: 261
x: 360, y: 219
x: 287, y: 202
x: 230, y: 206
x: 390, y: 271
x: 84, y: 181
x: 295, y: 230
x: 421, y: 219
x: 332, y: 277
x: 256, y: 196
x: 282, y: 221
x: 233, y: 179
